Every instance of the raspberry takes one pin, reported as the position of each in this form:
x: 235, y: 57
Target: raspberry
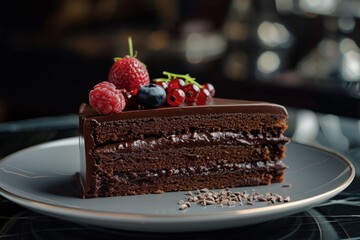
x: 105, y: 84
x: 106, y: 99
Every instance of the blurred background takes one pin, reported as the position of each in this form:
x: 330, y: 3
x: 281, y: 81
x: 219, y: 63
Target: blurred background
x: 299, y: 53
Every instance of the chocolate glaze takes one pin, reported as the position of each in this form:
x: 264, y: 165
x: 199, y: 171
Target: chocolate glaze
x: 89, y: 118
x: 217, y: 105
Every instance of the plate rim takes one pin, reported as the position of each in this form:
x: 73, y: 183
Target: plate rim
x: 79, y: 212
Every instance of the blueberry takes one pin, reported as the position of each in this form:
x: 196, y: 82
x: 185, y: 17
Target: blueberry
x: 151, y: 96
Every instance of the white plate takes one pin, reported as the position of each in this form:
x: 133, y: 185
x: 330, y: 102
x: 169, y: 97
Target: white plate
x: 41, y: 178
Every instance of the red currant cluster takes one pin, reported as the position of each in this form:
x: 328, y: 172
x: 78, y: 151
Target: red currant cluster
x: 182, y: 88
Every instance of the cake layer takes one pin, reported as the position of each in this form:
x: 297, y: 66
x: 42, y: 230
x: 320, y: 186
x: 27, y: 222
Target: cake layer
x: 208, y: 156
x: 131, y: 183
x: 157, y: 127
x: 227, y: 143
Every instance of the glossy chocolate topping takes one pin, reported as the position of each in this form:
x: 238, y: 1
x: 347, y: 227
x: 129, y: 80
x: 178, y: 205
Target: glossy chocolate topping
x: 218, y: 105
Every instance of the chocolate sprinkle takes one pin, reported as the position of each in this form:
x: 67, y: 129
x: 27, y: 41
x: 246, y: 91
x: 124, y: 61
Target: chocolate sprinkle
x: 287, y: 185
x: 225, y: 197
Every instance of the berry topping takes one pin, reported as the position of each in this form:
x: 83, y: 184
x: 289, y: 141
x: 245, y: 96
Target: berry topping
x: 194, y: 92
x: 210, y: 87
x: 191, y: 92
x: 128, y: 88
x: 105, y: 84
x: 106, y: 99
x: 128, y: 72
x: 204, y: 97
x: 162, y: 84
x: 151, y: 96
x: 176, y: 83
x: 175, y: 97
x: 130, y: 99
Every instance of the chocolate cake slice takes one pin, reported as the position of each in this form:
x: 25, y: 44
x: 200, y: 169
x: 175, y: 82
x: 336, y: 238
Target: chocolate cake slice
x: 227, y: 143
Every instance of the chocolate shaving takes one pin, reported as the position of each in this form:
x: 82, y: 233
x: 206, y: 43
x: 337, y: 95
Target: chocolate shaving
x: 225, y: 197
x: 287, y: 185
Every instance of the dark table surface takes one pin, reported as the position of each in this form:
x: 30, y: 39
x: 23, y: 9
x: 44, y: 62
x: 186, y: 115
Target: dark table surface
x: 338, y: 218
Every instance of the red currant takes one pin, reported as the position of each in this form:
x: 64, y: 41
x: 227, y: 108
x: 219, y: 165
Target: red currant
x: 176, y: 83
x: 134, y: 91
x: 204, y: 97
x: 162, y: 84
x: 191, y: 92
x: 175, y: 97
x: 210, y: 87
